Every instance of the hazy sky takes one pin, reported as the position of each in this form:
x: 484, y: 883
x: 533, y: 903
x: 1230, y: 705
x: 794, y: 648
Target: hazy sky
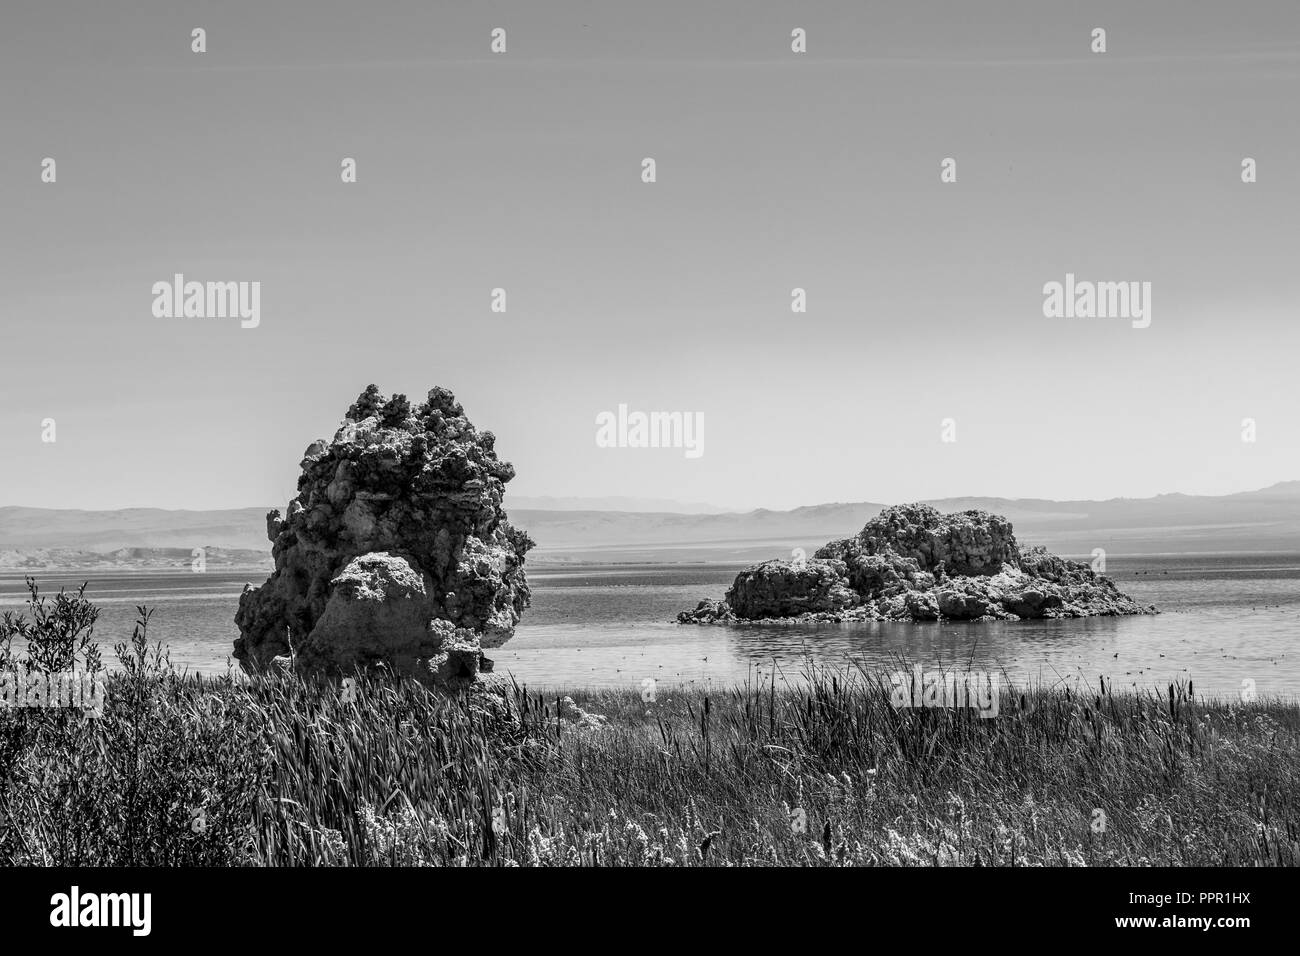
x: 775, y: 170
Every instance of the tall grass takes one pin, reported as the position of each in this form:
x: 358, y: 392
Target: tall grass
x: 825, y: 771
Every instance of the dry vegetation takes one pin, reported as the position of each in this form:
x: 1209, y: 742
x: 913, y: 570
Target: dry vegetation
x: 274, y: 771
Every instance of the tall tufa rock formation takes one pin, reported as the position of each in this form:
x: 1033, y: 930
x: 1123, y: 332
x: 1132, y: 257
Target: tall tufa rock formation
x: 911, y: 563
x: 396, y: 550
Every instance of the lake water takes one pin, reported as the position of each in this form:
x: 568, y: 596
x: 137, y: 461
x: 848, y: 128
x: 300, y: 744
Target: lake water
x: 1227, y: 618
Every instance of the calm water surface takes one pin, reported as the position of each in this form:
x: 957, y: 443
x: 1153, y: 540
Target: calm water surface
x: 1226, y: 618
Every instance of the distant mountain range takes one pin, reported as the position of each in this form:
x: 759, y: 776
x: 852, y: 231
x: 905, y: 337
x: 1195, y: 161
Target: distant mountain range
x: 135, y: 559
x: 547, y: 503
x: 1264, y: 520
x: 566, y: 531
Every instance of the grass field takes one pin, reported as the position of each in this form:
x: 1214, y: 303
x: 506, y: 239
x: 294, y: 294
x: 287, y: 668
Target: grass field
x: 274, y: 771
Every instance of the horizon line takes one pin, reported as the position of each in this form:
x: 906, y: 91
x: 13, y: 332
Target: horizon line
x: 737, y: 511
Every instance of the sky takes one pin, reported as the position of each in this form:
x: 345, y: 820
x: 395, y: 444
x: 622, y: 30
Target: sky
x: 775, y: 170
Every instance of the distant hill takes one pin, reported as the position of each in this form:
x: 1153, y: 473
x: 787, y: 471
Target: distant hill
x: 547, y: 503
x: 100, y: 531
x: 1264, y: 520
x: 133, y: 559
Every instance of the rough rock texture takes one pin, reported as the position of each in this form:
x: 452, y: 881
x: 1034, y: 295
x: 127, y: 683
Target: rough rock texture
x: 911, y: 563
x: 783, y: 589
x: 396, y: 550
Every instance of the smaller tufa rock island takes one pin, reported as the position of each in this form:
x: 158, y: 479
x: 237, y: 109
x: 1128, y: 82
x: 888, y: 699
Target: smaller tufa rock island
x: 396, y: 551
x: 911, y: 563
